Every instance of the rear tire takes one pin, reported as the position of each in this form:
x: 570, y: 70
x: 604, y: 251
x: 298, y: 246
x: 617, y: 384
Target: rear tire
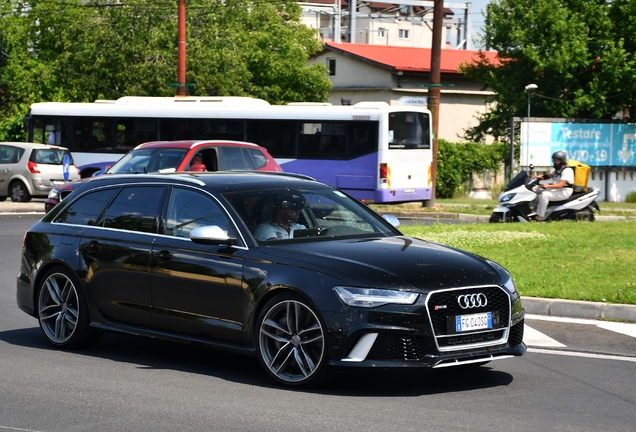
x: 63, y: 311
x: 586, y: 215
x: 19, y: 192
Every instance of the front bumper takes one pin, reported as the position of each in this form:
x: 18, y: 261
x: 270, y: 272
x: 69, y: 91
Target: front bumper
x: 422, y: 335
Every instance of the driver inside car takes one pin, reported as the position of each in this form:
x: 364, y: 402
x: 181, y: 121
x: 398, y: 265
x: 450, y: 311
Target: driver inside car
x: 284, y: 220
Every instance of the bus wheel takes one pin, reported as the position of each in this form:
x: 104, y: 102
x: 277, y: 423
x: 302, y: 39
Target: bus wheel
x: 19, y: 192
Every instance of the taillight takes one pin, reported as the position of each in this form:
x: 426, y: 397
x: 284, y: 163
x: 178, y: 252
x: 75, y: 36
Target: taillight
x: 33, y: 167
x: 384, y: 171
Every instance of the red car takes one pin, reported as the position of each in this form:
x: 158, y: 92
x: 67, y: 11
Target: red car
x: 177, y: 156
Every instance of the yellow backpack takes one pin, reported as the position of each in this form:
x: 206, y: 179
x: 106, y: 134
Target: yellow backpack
x: 581, y: 175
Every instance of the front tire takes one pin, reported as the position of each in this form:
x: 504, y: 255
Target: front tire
x: 63, y: 311
x: 291, y: 342
x: 19, y: 192
x: 496, y: 217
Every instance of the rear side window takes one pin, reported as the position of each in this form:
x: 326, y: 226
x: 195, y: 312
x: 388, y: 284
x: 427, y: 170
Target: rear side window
x: 87, y: 209
x: 50, y: 156
x: 135, y: 209
x: 260, y: 160
x: 234, y: 159
x: 10, y: 154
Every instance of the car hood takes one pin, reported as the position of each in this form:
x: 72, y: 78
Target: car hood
x: 393, y: 262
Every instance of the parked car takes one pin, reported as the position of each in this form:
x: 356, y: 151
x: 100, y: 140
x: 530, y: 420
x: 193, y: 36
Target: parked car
x: 178, y: 257
x: 30, y: 170
x: 177, y: 156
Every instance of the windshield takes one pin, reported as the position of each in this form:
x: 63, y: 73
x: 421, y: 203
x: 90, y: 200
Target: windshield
x: 297, y: 215
x: 149, y: 160
x: 409, y: 130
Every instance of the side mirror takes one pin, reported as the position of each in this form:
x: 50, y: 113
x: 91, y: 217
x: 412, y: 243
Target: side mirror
x: 211, y: 235
x: 392, y: 220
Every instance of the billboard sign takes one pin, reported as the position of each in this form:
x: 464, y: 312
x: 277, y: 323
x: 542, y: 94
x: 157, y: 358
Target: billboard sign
x: 595, y: 144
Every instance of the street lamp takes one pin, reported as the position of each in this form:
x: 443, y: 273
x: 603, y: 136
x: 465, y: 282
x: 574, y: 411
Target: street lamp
x: 529, y: 89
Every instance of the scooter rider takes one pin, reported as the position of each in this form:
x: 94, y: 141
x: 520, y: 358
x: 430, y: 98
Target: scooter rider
x: 561, y: 186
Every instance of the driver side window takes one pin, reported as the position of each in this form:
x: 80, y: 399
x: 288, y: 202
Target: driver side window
x: 189, y: 210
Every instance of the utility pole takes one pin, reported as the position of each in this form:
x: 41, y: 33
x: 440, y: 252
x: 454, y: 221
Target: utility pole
x: 434, y: 87
x: 181, y: 46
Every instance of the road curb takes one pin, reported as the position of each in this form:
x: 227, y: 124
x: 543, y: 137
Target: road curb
x: 579, y: 309
x: 34, y: 206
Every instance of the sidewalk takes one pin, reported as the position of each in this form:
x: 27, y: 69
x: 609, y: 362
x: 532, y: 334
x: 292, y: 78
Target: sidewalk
x: 35, y: 206
x: 533, y: 305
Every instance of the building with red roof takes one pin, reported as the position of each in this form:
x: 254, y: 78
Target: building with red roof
x: 401, y: 75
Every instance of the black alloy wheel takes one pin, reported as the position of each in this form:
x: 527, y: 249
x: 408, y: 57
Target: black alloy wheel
x: 63, y: 311
x: 291, y: 342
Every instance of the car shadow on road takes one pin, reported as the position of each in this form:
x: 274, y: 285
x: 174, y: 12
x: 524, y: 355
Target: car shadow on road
x: 202, y: 360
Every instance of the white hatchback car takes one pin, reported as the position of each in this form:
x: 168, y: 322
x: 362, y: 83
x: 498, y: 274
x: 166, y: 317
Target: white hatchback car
x: 30, y: 170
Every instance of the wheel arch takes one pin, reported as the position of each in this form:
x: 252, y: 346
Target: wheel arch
x: 270, y: 294
x: 21, y: 179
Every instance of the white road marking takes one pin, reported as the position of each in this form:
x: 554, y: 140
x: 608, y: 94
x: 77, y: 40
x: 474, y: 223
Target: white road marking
x: 535, y: 338
x: 627, y: 329
x: 18, y: 429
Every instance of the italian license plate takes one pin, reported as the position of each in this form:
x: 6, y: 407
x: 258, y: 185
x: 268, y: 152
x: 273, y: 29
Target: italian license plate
x: 464, y: 323
x: 57, y: 182
x: 409, y: 190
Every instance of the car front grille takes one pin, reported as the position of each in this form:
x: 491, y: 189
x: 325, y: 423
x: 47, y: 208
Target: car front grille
x: 443, y: 307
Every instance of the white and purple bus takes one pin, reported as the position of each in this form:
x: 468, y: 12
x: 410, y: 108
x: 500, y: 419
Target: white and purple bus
x: 376, y: 152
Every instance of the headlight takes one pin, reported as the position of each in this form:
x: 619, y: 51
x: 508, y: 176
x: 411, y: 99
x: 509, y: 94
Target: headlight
x: 512, y: 289
x: 508, y: 197
x: 55, y: 194
x: 371, y: 297
x: 510, y: 286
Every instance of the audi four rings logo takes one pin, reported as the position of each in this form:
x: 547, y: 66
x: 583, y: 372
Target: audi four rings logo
x: 469, y: 301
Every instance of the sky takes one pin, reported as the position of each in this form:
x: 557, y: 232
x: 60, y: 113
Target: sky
x: 476, y: 18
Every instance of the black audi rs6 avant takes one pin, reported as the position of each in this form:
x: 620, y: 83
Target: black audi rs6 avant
x: 275, y: 265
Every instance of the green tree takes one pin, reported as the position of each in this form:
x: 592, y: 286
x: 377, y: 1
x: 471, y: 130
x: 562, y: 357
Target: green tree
x: 580, y: 53
x: 74, y: 50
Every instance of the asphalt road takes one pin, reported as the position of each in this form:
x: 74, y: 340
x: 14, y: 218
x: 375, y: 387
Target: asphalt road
x: 577, y: 376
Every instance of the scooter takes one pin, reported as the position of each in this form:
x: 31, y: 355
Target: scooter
x: 518, y: 203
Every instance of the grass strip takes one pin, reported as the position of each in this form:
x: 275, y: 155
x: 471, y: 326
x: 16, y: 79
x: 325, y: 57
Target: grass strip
x: 563, y: 260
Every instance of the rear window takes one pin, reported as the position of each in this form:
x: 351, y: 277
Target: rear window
x: 409, y: 130
x: 50, y: 156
